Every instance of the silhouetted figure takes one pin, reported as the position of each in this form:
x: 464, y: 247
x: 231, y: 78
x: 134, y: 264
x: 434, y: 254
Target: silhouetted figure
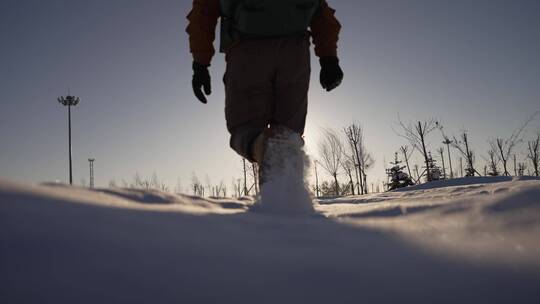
x: 267, y: 48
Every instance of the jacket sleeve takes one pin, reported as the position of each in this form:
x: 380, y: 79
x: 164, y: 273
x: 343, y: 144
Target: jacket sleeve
x: 325, y: 30
x: 201, y: 29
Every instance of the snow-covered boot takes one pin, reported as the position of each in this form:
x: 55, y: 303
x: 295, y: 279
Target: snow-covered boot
x: 282, y: 173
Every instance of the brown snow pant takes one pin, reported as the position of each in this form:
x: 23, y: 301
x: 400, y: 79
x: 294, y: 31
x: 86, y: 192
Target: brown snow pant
x: 266, y: 83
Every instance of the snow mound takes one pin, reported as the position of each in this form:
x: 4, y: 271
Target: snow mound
x: 125, y: 198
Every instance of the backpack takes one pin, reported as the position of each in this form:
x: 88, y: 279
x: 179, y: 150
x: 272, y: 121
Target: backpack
x: 264, y: 18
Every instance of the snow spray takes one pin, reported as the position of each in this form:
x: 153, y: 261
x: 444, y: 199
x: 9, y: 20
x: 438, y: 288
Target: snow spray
x: 286, y: 164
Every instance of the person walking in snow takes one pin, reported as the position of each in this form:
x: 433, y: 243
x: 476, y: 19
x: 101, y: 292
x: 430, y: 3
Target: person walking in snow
x: 267, y: 49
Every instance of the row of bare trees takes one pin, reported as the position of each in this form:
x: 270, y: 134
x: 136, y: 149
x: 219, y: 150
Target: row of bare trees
x: 344, y: 155
x: 504, y: 147
x: 138, y: 182
x: 363, y: 161
x: 533, y: 153
x: 196, y: 186
x: 245, y: 186
x: 501, y: 150
x: 349, y: 156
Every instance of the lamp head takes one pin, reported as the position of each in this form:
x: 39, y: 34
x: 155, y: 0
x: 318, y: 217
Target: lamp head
x: 69, y: 100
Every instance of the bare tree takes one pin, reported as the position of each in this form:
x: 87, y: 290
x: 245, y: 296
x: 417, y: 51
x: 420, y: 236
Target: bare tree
x: 492, y: 163
x: 502, y: 147
x: 407, y: 155
x: 245, y: 176
x: 207, y: 184
x: 366, y: 164
x: 521, y: 169
x: 219, y: 190
x: 348, y: 166
x: 255, y: 176
x: 505, y: 146
x: 154, y: 181
x: 533, y: 153
x: 196, y: 186
x: 418, y: 176
x: 416, y: 136
x: 464, y: 147
x: 112, y: 183
x: 236, y: 184
x: 224, y: 189
x: 515, y: 166
x: 331, y: 153
x: 355, y: 138
x: 137, y: 181
x: 317, y: 188
x: 441, y: 153
x: 447, y: 141
x: 461, y: 166
x: 362, y: 159
x: 140, y: 183
x: 352, y: 156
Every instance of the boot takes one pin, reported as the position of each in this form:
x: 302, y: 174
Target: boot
x: 281, y: 174
x: 279, y: 141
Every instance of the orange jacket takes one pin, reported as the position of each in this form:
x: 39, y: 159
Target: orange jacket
x: 204, y: 16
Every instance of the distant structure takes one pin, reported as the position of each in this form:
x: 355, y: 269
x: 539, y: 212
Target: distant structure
x: 69, y: 101
x: 91, y: 162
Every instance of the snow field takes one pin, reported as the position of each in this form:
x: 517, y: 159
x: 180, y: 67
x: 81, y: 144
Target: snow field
x: 462, y: 244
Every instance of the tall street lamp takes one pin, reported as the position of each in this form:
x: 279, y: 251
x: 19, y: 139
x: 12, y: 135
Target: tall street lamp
x: 91, y: 163
x: 448, y: 142
x: 69, y: 101
x: 316, y: 180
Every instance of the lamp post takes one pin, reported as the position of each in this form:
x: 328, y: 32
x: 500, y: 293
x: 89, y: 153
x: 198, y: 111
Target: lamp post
x: 69, y: 101
x: 447, y: 142
x: 91, y: 162
x: 316, y: 180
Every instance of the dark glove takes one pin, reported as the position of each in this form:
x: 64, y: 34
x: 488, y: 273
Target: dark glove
x: 331, y: 73
x: 201, y: 78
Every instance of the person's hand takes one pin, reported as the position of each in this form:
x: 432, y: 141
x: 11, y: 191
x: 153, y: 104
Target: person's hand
x: 201, y: 80
x: 331, y: 73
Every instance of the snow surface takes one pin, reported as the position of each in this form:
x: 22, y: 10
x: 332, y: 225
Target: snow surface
x: 472, y: 242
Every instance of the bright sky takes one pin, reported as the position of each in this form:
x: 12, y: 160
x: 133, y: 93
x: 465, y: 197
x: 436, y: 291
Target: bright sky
x: 470, y: 63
